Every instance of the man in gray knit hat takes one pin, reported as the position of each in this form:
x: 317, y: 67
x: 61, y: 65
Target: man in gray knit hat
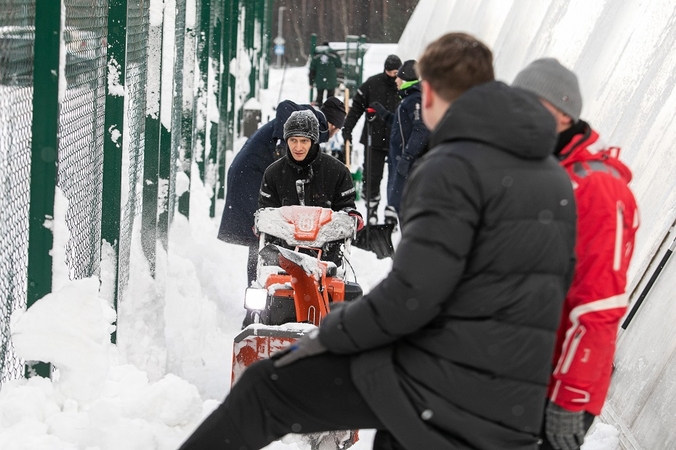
x: 607, y: 223
x: 305, y: 175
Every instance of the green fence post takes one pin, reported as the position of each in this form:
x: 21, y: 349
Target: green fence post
x: 360, y: 58
x: 151, y: 157
x: 223, y: 91
x: 267, y: 42
x: 113, y: 141
x: 214, y: 95
x: 44, y: 157
x: 249, y: 44
x: 259, y: 43
x: 232, y: 125
x: 201, y: 96
x: 170, y: 120
x: 188, y: 112
x: 313, y: 45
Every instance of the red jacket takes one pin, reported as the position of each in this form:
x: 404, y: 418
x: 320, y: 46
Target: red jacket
x: 597, y: 299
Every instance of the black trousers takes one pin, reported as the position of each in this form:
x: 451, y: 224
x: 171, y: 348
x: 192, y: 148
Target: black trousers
x: 252, y: 263
x: 310, y: 395
x: 373, y: 168
x: 320, y: 95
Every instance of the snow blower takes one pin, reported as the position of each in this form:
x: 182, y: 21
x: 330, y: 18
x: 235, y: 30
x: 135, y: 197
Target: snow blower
x: 301, y: 270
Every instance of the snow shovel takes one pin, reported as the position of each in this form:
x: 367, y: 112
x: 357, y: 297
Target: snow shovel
x: 374, y: 238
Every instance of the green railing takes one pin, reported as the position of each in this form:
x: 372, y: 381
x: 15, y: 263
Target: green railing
x: 105, y: 143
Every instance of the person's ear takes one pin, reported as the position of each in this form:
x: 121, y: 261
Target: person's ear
x: 427, y: 97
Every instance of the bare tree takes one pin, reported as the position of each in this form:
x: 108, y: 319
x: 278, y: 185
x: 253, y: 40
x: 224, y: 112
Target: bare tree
x: 380, y: 20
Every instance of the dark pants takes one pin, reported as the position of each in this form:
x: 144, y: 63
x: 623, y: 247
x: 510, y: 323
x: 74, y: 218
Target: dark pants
x: 588, y: 420
x: 311, y: 395
x: 320, y: 95
x: 252, y: 263
x: 373, y: 169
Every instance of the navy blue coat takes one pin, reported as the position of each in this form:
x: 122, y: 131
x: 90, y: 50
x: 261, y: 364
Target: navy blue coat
x: 407, y: 140
x: 246, y: 174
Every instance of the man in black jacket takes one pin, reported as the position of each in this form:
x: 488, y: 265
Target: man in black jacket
x: 452, y: 349
x: 380, y: 88
x: 305, y: 175
x: 247, y: 168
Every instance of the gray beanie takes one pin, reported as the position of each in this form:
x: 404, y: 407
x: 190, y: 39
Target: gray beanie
x: 548, y: 79
x: 302, y: 123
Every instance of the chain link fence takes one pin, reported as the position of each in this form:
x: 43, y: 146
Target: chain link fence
x: 87, y: 92
x: 16, y: 103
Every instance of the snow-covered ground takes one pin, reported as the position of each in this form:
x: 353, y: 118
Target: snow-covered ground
x: 171, y: 366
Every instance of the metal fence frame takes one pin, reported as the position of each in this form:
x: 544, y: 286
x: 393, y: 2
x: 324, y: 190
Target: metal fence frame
x: 102, y: 137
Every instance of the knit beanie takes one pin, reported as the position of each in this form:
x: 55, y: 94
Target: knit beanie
x: 407, y: 71
x: 392, y: 63
x: 548, y: 79
x: 334, y: 110
x: 302, y: 123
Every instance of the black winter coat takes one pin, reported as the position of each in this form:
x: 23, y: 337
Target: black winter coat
x: 328, y: 183
x: 452, y: 350
x: 378, y: 88
x: 246, y: 174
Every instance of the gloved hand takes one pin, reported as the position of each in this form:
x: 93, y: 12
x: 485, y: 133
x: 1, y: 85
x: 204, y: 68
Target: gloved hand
x: 371, y: 114
x: 347, y: 135
x: 380, y: 109
x: 308, y: 345
x: 359, y: 220
x: 564, y: 429
x: 280, y: 149
x: 404, y: 165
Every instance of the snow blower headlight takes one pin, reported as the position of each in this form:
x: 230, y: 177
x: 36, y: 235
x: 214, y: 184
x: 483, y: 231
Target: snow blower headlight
x: 255, y: 298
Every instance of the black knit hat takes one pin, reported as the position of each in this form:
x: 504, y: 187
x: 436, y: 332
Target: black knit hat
x: 392, y: 63
x: 334, y: 110
x: 302, y: 123
x: 407, y: 71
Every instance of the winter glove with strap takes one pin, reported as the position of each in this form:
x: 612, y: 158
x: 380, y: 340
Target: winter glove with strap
x: 358, y: 219
x: 347, y: 135
x: 308, y: 345
x: 564, y: 429
x: 404, y: 165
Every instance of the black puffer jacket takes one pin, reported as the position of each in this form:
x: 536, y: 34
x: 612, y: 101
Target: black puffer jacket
x: 328, y: 183
x: 453, y: 349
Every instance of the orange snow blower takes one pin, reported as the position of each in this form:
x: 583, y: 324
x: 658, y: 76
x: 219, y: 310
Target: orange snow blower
x: 303, y: 258
x: 302, y: 263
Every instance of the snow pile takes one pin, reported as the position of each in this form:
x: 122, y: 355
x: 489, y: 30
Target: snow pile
x: 602, y: 437
x: 93, y: 401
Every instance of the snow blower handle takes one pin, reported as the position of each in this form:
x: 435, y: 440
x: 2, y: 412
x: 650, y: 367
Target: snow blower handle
x: 371, y: 114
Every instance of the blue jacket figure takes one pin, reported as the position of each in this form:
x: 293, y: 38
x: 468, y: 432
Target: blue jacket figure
x: 246, y: 172
x: 408, y: 137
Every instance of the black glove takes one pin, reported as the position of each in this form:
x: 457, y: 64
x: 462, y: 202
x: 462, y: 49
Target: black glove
x: 308, y: 345
x: 371, y: 114
x: 404, y: 165
x: 347, y: 135
x: 564, y: 429
x: 380, y: 109
x: 280, y: 150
